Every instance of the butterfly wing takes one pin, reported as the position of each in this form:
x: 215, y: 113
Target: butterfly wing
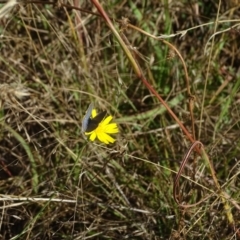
x: 93, y: 122
x: 87, y: 118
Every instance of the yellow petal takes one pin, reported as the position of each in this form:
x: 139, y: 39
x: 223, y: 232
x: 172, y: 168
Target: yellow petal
x: 111, y: 128
x: 88, y: 133
x: 94, y: 113
x: 93, y: 136
x: 105, y: 138
x: 106, y: 121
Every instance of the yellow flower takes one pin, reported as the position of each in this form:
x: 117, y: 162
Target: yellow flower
x: 103, y: 129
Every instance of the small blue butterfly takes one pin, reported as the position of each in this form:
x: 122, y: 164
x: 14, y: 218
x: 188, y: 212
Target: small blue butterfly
x: 89, y: 124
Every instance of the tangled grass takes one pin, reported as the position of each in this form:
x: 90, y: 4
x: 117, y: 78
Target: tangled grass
x: 55, y: 60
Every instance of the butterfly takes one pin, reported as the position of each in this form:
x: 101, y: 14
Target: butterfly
x: 88, y: 123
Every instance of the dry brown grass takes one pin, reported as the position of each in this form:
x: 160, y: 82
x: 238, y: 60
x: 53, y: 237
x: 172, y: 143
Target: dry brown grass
x: 55, y: 61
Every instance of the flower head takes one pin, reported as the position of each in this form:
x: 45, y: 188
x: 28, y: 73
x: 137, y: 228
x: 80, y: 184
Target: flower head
x: 101, y: 127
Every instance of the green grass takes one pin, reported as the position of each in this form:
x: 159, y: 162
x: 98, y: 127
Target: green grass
x: 55, y: 184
